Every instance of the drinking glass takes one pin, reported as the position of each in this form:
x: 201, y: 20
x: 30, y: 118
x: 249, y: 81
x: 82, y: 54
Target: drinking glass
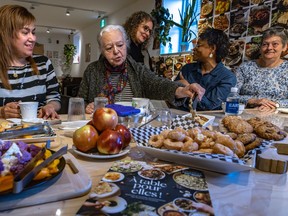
x: 164, y: 117
x: 100, y: 102
x: 76, y: 109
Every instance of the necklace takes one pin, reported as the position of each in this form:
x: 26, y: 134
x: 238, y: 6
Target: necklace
x: 15, y: 75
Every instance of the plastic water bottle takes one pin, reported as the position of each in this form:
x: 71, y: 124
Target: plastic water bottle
x: 232, y: 102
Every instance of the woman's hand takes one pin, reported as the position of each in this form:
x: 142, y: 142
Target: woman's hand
x: 263, y: 104
x: 49, y: 111
x: 10, y: 110
x: 190, y: 91
x: 89, y: 108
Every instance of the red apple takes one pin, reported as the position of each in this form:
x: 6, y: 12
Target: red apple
x: 90, y: 123
x: 124, y: 131
x: 110, y: 142
x: 105, y: 118
x: 85, y: 138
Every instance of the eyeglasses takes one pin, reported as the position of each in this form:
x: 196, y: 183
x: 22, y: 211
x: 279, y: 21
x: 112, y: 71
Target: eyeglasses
x: 147, y: 29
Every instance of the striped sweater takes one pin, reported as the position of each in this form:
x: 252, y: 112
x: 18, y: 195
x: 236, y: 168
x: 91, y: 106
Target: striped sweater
x: 28, y: 87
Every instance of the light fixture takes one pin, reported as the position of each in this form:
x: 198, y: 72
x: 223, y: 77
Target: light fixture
x: 32, y: 7
x: 67, y: 12
x: 72, y: 32
x: 48, y: 31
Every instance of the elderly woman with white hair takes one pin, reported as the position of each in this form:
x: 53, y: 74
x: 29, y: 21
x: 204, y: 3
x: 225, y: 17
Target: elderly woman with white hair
x: 119, y: 78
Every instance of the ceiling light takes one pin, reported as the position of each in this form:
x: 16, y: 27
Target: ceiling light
x: 32, y: 7
x: 48, y: 31
x: 67, y: 12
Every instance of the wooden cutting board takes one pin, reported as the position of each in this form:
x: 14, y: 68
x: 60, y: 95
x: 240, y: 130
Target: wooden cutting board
x: 71, y: 184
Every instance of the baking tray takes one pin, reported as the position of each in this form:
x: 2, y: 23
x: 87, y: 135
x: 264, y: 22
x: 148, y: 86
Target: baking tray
x: 36, y: 138
x: 212, y: 162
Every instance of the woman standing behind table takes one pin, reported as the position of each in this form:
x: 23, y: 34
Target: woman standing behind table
x: 263, y: 83
x: 119, y: 78
x: 209, y: 71
x: 139, y: 28
x: 23, y: 76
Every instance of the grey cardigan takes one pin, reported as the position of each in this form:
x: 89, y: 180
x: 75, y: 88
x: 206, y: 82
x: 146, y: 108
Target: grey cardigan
x: 144, y: 83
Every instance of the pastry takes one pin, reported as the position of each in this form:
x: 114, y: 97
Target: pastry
x: 246, y: 138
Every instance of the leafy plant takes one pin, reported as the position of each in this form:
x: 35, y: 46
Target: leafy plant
x: 69, y: 53
x: 165, y: 22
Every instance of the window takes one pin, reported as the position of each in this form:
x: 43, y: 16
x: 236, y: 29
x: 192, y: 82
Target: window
x: 174, y: 7
x: 77, y: 43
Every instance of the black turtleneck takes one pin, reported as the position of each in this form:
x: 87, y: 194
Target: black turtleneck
x: 136, y: 52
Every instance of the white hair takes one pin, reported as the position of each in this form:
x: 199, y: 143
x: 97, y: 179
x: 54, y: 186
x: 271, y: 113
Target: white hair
x: 110, y: 28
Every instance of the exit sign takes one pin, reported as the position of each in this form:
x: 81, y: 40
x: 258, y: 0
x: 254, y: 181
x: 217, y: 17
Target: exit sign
x: 102, y: 22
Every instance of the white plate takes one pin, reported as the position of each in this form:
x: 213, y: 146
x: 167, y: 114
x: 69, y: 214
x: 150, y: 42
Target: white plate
x: 283, y: 110
x: 72, y: 125
x: 121, y: 177
x: 19, y: 121
x: 141, y: 173
x: 101, y: 156
x: 121, y: 205
x: 114, y: 188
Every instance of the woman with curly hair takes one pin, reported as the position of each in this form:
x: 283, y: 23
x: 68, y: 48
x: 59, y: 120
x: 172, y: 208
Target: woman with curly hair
x: 139, y: 27
x: 209, y: 72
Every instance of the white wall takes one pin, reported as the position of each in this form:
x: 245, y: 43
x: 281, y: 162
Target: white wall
x: 89, y: 35
x: 53, y: 43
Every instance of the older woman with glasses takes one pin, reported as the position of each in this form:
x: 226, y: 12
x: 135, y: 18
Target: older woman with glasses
x: 209, y: 72
x: 139, y: 27
x: 119, y: 78
x: 263, y: 82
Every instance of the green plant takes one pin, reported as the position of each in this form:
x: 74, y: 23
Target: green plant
x: 69, y: 53
x: 165, y: 22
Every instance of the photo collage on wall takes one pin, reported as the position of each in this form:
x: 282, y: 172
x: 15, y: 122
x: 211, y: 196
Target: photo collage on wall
x: 172, y: 63
x: 244, y: 22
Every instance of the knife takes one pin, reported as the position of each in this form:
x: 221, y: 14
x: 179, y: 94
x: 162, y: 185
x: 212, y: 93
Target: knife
x: 32, y: 130
x: 30, y: 171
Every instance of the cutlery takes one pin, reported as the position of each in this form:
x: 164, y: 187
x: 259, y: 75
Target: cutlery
x: 32, y: 130
x: 152, y: 119
x: 30, y: 171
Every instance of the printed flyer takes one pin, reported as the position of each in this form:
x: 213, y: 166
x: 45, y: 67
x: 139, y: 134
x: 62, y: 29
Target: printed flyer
x: 138, y: 188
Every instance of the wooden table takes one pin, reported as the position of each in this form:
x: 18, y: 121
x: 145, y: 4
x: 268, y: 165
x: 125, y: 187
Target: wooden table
x: 243, y: 193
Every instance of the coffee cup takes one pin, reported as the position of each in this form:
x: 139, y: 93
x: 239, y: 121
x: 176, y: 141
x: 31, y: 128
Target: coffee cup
x: 28, y: 110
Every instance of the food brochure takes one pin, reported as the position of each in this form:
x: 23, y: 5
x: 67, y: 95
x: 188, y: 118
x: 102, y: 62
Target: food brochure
x: 133, y: 188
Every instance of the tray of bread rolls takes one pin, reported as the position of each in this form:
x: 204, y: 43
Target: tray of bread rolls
x: 232, y: 148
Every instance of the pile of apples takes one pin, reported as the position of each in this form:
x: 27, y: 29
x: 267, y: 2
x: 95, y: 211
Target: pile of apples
x: 102, y: 133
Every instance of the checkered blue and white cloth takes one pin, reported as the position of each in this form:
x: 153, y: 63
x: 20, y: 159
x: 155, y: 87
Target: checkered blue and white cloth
x: 142, y: 135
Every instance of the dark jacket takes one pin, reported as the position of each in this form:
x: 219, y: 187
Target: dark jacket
x: 144, y: 83
x: 217, y: 83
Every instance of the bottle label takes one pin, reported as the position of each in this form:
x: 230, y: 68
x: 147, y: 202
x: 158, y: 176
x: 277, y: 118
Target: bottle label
x: 232, y: 107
